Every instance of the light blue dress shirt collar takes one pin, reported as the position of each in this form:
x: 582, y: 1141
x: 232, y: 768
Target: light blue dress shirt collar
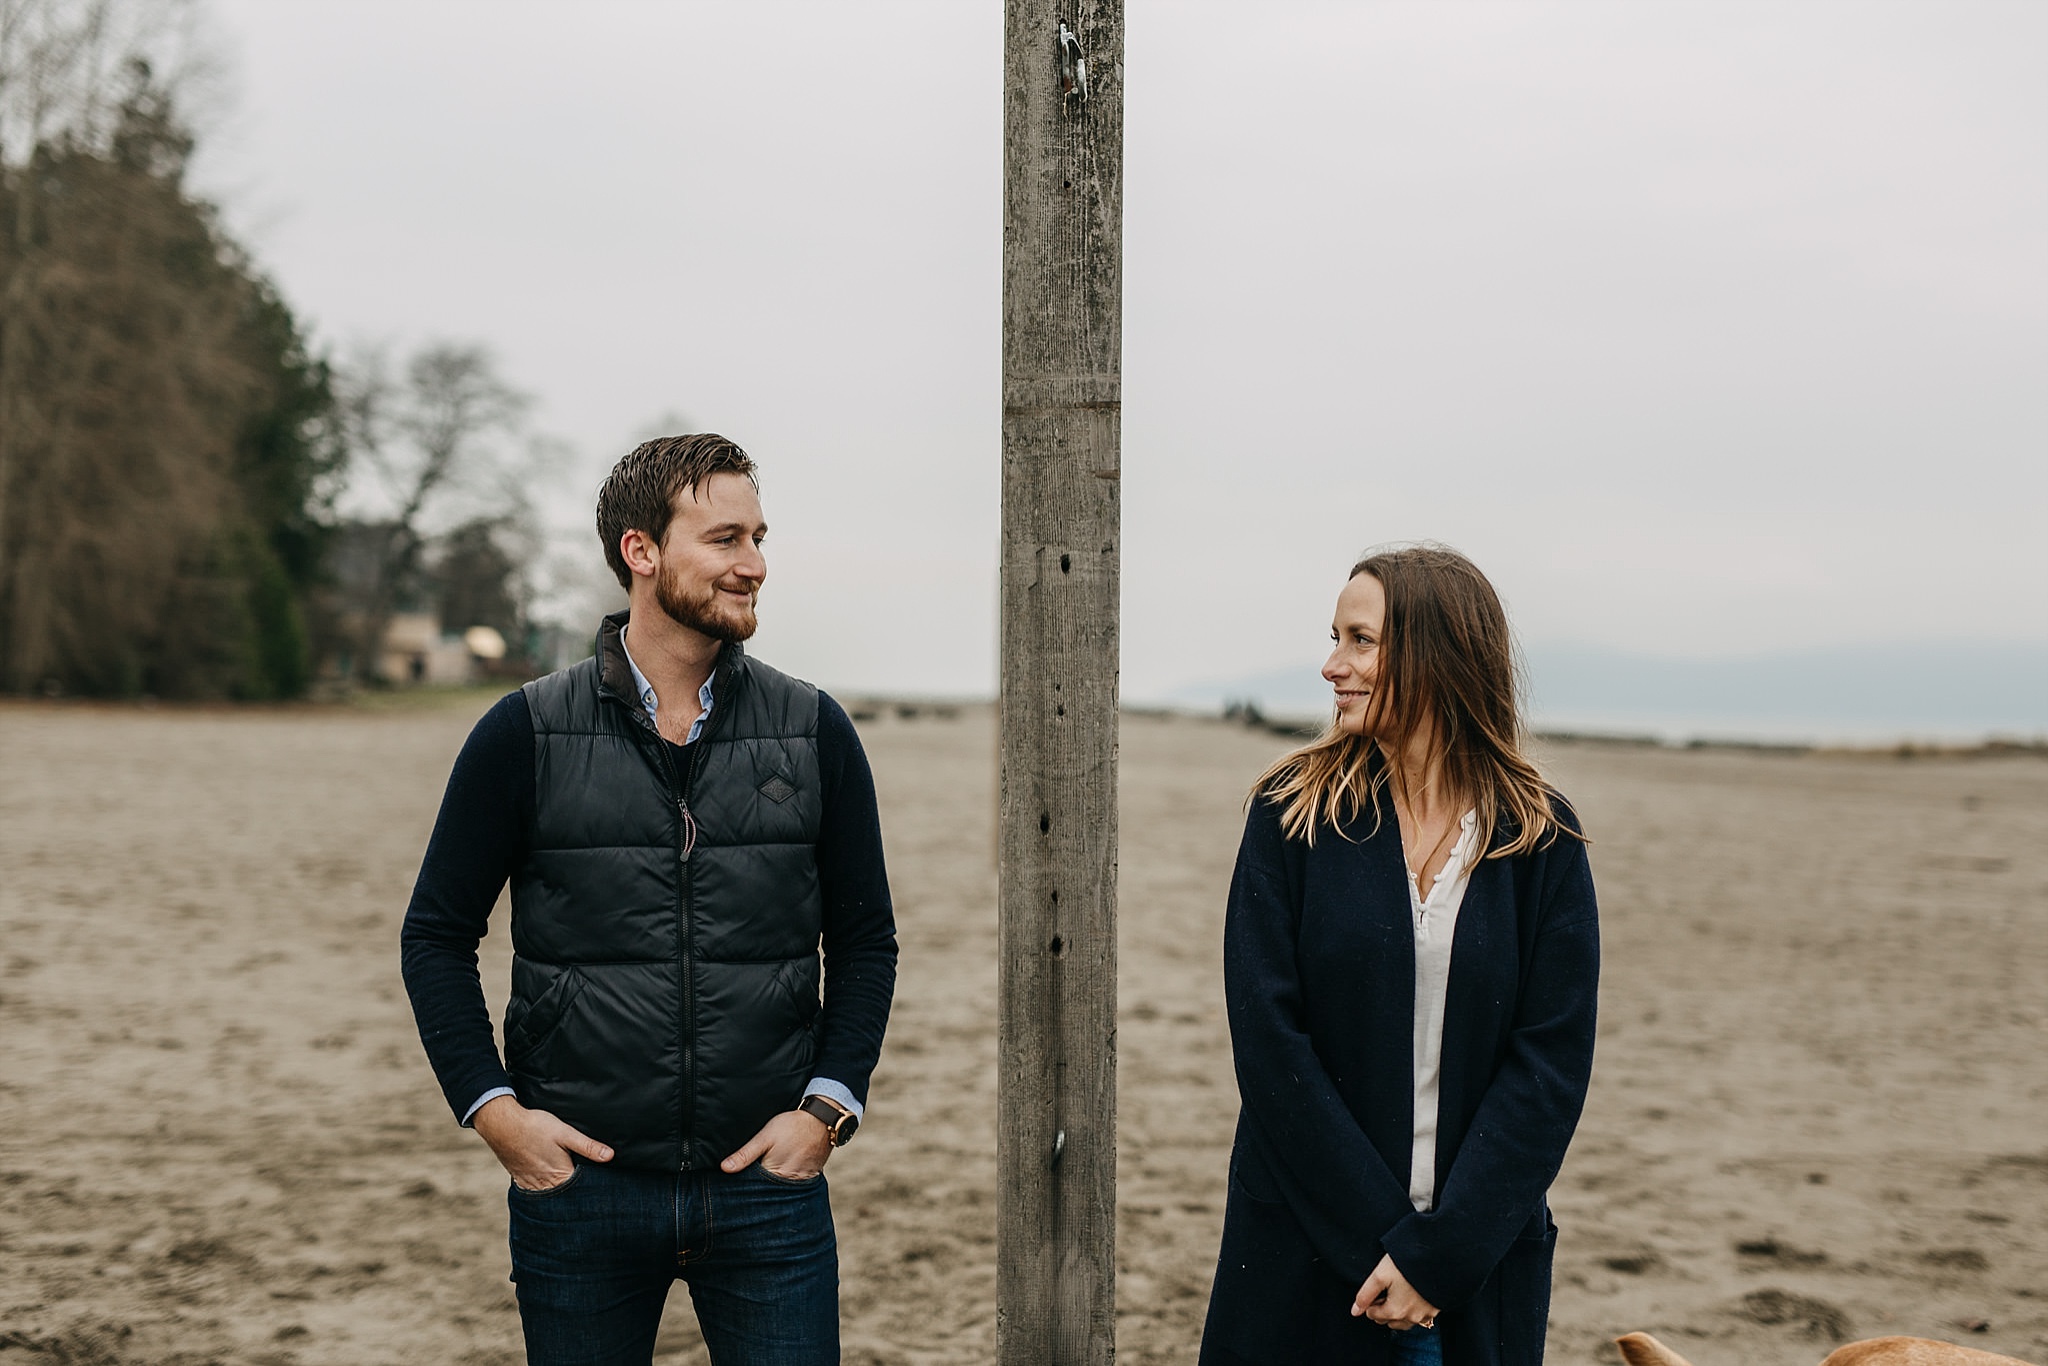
x: 652, y: 703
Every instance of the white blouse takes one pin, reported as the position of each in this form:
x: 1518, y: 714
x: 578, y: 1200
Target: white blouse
x: 1436, y: 921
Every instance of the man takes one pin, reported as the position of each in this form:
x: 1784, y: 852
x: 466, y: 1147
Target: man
x: 683, y: 827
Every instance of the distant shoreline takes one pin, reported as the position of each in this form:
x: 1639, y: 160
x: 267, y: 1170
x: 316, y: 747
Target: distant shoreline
x: 873, y: 708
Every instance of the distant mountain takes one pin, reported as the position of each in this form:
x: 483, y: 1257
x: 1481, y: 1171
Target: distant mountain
x: 1866, y: 692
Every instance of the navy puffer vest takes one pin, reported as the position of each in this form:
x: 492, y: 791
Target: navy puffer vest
x: 665, y: 922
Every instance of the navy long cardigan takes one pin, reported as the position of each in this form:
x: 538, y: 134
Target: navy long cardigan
x: 1319, y: 975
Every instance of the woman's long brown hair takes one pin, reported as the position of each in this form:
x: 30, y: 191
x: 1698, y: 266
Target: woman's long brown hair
x: 1447, y: 659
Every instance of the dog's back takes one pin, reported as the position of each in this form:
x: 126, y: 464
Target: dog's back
x: 1914, y: 1352
x: 1640, y: 1349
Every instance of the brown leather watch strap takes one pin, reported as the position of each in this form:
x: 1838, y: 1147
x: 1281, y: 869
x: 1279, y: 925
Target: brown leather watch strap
x: 834, y: 1116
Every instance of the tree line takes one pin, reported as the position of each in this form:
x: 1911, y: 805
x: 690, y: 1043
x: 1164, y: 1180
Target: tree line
x: 174, y: 452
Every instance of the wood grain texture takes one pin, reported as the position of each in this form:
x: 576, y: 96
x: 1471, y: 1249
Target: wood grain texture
x: 1062, y: 390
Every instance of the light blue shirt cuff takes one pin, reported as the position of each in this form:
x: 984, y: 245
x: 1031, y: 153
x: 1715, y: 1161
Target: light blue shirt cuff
x: 490, y: 1095
x: 830, y: 1090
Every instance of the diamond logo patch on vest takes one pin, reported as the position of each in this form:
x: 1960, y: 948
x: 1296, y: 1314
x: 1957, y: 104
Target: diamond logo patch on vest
x: 778, y: 789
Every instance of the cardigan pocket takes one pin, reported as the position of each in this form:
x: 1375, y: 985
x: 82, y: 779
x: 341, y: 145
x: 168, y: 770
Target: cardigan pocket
x: 1249, y: 1178
x: 1272, y: 1294
x: 1523, y: 1283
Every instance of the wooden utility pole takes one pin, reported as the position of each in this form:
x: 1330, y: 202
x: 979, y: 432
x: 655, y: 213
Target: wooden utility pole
x: 1062, y: 395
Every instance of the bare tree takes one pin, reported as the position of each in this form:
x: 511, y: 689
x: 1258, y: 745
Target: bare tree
x: 65, y: 67
x: 442, y: 436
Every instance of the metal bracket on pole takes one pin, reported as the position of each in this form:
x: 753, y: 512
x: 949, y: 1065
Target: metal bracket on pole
x: 1073, y: 66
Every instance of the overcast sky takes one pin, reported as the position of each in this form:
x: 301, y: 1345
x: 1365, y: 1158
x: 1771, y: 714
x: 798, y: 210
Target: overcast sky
x: 1707, y: 329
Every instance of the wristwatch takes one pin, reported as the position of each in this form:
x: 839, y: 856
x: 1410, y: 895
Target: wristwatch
x: 834, y: 1116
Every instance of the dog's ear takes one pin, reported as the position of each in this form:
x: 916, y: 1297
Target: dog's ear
x: 1640, y: 1349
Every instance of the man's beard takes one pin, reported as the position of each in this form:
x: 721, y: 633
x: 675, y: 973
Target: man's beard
x: 706, y: 612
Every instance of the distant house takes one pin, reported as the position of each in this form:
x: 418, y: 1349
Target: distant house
x: 417, y: 651
x: 464, y: 584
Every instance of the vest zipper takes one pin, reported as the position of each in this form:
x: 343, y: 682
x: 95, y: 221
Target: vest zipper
x: 686, y: 1010
x: 680, y: 786
x: 689, y: 834
x: 686, y: 840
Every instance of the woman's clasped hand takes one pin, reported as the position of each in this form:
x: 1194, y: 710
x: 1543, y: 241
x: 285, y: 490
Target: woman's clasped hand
x: 1386, y: 1297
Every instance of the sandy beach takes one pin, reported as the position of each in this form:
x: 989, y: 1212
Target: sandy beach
x: 1820, y: 1108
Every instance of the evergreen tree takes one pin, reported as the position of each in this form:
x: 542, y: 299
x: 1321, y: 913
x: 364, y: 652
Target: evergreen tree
x: 166, y: 438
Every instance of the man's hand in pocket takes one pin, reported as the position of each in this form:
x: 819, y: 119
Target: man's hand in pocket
x: 533, y: 1145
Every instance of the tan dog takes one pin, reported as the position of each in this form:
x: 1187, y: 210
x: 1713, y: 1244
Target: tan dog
x: 1640, y: 1349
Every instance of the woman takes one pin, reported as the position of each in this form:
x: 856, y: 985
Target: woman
x: 1410, y: 963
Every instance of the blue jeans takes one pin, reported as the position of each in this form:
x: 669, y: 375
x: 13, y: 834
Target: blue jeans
x: 1418, y: 1347
x: 595, y: 1256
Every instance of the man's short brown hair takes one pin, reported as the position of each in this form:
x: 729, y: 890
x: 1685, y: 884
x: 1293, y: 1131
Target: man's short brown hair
x: 644, y: 488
